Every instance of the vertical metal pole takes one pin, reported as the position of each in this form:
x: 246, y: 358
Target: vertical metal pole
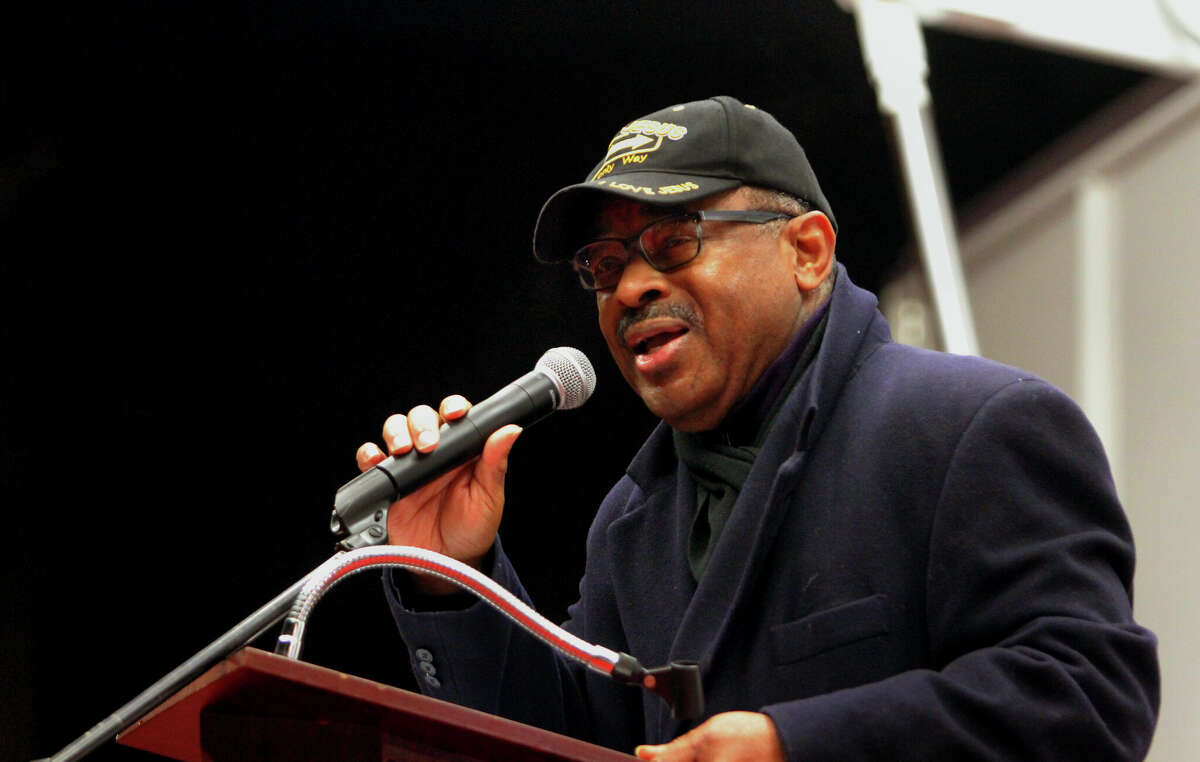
x: 890, y: 35
x: 1097, y: 374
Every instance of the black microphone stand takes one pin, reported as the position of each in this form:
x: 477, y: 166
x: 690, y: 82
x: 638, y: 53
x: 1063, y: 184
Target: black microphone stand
x: 241, y: 634
x: 362, y: 521
x: 365, y: 524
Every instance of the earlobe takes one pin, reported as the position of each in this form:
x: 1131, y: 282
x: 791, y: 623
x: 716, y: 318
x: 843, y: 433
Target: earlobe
x: 811, y: 241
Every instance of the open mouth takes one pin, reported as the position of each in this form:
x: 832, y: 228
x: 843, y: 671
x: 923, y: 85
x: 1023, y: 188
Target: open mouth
x: 650, y: 343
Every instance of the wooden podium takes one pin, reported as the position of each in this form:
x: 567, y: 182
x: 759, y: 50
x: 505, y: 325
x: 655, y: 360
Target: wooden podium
x: 259, y: 706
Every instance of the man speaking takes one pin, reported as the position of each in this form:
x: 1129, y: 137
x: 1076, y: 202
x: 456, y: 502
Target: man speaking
x: 872, y: 551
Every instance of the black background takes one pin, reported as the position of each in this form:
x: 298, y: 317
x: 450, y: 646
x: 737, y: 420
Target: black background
x: 233, y: 239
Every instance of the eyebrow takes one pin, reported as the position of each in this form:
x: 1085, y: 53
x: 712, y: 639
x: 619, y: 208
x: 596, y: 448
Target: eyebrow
x: 651, y: 213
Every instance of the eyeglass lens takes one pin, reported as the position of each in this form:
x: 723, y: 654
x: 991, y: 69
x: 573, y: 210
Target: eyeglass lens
x: 666, y: 243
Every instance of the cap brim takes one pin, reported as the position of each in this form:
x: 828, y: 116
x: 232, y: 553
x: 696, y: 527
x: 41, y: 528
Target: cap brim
x: 566, y: 216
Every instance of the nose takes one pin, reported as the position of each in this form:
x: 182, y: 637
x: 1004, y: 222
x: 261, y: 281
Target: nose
x: 640, y: 283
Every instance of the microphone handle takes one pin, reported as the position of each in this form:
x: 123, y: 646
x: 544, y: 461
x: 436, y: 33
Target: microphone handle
x: 523, y: 402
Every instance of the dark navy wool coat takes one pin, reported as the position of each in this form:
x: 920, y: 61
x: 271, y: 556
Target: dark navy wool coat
x: 927, y: 561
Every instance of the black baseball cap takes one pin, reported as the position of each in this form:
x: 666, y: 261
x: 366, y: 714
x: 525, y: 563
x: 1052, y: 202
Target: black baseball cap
x: 675, y: 156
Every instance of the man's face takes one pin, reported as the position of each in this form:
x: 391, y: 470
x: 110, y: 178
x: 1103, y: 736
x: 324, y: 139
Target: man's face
x: 693, y: 341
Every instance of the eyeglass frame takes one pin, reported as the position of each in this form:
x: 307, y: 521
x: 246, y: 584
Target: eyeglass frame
x: 752, y: 216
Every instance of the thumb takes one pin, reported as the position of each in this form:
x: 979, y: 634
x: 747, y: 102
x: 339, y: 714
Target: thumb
x: 679, y: 750
x: 494, y: 459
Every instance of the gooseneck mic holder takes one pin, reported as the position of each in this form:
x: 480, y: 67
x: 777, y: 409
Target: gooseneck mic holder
x: 677, y: 683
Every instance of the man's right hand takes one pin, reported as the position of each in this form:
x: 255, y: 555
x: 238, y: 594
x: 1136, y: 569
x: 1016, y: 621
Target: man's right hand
x: 457, y: 514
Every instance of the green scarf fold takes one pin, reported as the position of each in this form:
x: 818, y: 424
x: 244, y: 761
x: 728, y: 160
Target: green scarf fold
x: 719, y: 471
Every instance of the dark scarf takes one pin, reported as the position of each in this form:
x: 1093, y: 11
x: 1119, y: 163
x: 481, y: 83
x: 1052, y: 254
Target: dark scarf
x: 720, y: 460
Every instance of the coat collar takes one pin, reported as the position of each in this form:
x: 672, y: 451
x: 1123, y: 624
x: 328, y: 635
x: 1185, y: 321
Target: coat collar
x: 855, y: 330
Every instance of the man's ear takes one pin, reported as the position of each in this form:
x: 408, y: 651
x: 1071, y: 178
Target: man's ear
x: 810, y: 241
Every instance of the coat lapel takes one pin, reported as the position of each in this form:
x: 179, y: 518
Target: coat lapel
x: 738, y: 556
x: 650, y: 576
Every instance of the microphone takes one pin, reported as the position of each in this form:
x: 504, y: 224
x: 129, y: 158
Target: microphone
x: 563, y: 379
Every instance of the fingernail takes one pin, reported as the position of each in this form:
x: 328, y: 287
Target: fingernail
x: 454, y: 406
x: 400, y: 443
x: 426, y: 439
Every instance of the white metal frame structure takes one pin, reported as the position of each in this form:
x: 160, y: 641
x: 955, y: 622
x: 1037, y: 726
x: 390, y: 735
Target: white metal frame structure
x: 1158, y: 35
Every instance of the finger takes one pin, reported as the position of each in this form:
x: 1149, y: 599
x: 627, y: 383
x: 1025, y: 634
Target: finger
x: 454, y: 407
x: 368, y: 455
x: 647, y: 752
x: 396, y: 436
x: 423, y: 425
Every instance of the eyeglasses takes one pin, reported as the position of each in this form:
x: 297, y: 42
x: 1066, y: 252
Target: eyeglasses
x: 665, y: 245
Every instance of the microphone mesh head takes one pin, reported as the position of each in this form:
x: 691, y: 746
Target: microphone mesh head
x: 571, y: 372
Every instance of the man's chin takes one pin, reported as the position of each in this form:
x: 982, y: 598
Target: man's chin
x: 682, y: 412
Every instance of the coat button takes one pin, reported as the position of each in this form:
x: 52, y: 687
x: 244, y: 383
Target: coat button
x: 433, y: 681
x: 424, y: 655
x: 428, y: 668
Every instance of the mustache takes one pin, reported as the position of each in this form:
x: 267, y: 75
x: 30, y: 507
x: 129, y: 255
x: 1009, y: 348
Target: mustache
x: 678, y: 311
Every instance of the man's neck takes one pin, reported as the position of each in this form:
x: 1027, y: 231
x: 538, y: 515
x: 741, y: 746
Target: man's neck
x: 742, y: 423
